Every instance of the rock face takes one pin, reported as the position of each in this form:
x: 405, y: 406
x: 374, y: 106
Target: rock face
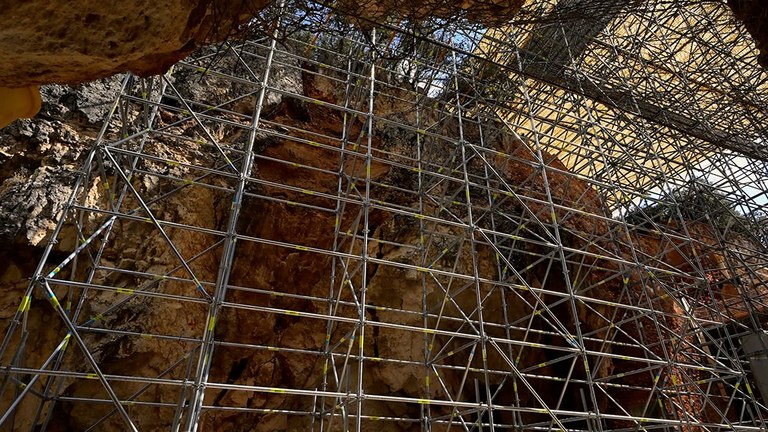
x: 46, y: 42
x: 494, y: 12
x: 754, y: 15
x: 39, y: 160
x: 67, y: 42
x: 40, y: 157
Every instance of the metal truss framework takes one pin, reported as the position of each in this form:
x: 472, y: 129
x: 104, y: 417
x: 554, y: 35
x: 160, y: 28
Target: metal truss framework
x: 512, y: 212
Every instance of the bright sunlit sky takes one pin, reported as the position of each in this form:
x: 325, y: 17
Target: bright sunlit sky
x: 737, y: 177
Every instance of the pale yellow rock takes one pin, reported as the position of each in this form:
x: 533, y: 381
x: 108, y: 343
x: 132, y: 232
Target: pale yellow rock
x: 70, y: 42
x: 18, y: 103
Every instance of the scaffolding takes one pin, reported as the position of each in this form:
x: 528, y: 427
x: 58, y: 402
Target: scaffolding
x: 556, y: 224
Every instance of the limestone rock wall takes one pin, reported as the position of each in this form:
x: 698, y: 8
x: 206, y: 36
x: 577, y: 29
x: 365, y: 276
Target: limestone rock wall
x: 72, y: 42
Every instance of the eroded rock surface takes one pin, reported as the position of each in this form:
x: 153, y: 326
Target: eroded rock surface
x: 46, y: 42
x: 493, y: 12
x: 39, y: 158
x: 62, y: 42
